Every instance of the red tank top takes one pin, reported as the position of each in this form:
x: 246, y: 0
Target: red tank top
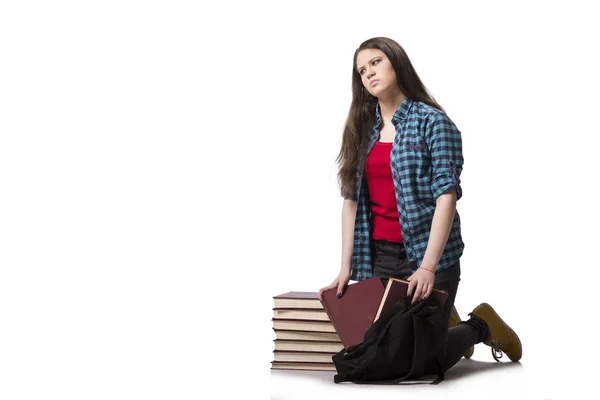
x: 384, y: 210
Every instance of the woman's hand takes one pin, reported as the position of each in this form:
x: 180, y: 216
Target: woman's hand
x: 339, y: 282
x: 422, y: 281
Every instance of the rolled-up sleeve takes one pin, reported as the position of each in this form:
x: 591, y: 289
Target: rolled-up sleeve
x: 445, y: 146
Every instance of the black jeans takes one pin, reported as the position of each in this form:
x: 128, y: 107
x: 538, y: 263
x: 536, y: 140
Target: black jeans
x: 390, y: 260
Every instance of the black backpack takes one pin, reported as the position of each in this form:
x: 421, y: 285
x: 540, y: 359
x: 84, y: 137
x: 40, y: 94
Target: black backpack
x: 404, y: 343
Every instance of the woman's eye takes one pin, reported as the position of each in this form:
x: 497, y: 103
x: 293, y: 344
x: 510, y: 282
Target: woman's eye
x: 361, y: 71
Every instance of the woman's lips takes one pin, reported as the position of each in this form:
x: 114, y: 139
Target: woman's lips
x: 374, y: 82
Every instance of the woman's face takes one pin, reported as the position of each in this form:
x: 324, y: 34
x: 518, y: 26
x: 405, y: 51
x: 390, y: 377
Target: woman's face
x: 373, y: 65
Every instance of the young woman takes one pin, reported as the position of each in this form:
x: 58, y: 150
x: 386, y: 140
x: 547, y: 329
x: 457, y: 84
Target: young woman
x: 400, y: 166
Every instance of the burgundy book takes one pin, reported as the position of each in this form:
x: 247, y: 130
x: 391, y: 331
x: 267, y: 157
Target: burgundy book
x: 396, y: 289
x: 354, y: 312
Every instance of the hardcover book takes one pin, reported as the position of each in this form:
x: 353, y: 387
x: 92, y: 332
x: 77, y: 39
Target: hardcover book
x: 310, y: 366
x: 298, y: 300
x: 307, y: 336
x: 354, y: 312
x: 396, y: 289
x: 300, y: 313
x: 300, y: 325
x: 302, y: 356
x: 300, y: 345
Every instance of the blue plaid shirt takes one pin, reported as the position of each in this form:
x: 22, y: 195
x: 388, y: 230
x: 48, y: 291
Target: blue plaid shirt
x: 426, y: 161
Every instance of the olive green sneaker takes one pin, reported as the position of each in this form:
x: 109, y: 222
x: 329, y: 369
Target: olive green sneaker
x: 501, y: 337
x: 454, y: 320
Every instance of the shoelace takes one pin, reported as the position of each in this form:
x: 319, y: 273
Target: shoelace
x: 495, y: 344
x: 496, y: 352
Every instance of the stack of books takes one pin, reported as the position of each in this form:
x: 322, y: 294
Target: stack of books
x: 310, y: 332
x: 304, y: 335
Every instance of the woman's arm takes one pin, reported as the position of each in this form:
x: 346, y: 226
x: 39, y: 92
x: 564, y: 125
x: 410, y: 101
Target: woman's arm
x: 348, y: 217
x: 444, y: 141
x: 423, y: 280
x: 441, y: 226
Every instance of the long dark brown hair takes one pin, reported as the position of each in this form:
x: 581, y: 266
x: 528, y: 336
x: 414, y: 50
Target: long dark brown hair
x: 361, y: 116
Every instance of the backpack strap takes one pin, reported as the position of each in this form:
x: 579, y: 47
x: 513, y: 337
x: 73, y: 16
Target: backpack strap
x: 440, y: 373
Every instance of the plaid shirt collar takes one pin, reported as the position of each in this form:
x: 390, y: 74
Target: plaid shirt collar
x: 400, y: 114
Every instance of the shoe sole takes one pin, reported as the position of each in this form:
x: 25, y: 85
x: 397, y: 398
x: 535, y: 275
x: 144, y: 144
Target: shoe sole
x: 506, y: 326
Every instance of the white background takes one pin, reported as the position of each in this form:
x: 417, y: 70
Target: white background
x: 166, y: 168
